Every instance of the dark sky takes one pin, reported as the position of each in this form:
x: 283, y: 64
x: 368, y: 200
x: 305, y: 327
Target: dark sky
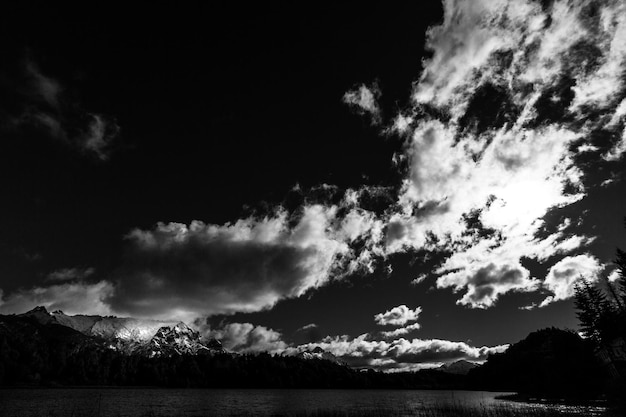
x: 285, y: 166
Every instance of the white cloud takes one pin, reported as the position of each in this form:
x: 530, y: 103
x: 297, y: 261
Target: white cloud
x: 397, y: 316
x: 400, y: 354
x: 563, y: 275
x: 401, y: 331
x: 519, y: 177
x: 307, y: 327
x: 247, y: 338
x: 177, y: 270
x: 481, y: 181
x: 614, y: 275
x: 599, y: 88
x: 618, y: 150
x: 420, y: 278
x: 365, y: 100
x: 485, y: 284
x: 71, y: 297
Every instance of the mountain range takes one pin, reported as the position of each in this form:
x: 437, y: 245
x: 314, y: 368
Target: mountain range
x: 39, y: 348
x: 150, y: 338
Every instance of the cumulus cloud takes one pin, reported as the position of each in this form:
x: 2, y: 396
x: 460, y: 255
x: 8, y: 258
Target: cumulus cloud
x: 563, y: 275
x: 614, y: 275
x: 71, y: 297
x: 177, y: 270
x: 45, y: 105
x: 485, y: 284
x: 486, y: 208
x: 520, y: 90
x: 400, y: 354
x: 247, y: 338
x: 70, y: 274
x: 365, y: 100
x: 397, y: 316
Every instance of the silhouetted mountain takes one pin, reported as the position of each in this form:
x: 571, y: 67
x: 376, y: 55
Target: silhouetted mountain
x: 460, y: 367
x: 547, y: 363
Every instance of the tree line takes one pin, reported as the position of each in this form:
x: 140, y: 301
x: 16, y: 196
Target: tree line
x: 601, y: 311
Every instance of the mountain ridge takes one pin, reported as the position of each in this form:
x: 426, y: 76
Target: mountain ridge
x: 132, y: 336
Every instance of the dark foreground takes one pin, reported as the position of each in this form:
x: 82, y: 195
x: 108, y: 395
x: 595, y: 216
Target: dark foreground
x: 133, y: 402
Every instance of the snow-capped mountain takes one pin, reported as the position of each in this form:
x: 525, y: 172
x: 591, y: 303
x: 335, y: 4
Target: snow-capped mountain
x: 108, y: 328
x: 179, y: 340
x: 129, y: 335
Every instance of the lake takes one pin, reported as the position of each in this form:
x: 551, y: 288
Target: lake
x: 135, y: 402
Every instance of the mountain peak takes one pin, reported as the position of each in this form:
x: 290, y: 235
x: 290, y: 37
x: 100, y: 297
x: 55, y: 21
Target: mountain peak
x: 460, y: 367
x: 179, y: 339
x: 38, y: 309
x: 182, y: 327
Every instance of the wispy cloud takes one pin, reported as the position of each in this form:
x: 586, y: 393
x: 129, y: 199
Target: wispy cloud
x: 364, y: 100
x: 307, y: 327
x: 401, y: 331
x: 45, y: 105
x: 70, y: 274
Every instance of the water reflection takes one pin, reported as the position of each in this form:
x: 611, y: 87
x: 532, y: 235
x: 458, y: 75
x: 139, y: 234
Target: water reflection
x: 220, y: 403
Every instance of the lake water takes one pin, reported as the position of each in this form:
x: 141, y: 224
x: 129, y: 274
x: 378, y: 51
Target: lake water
x: 132, y: 402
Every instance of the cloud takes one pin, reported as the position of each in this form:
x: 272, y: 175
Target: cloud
x: 420, y: 278
x: 486, y: 209
x: 71, y: 297
x: 247, y: 338
x: 485, y: 284
x: 614, y: 275
x: 400, y: 354
x: 563, y: 275
x: 397, y: 316
x: 45, y: 105
x: 307, y: 327
x: 618, y: 149
x: 513, y: 94
x: 511, y: 97
x: 177, y: 270
x: 70, y: 274
x: 401, y: 331
x: 599, y: 87
x: 365, y: 100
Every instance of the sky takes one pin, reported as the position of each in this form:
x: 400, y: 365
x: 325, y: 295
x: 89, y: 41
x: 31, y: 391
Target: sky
x: 402, y: 185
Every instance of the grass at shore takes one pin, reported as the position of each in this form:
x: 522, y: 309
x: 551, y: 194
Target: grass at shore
x: 459, y: 411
